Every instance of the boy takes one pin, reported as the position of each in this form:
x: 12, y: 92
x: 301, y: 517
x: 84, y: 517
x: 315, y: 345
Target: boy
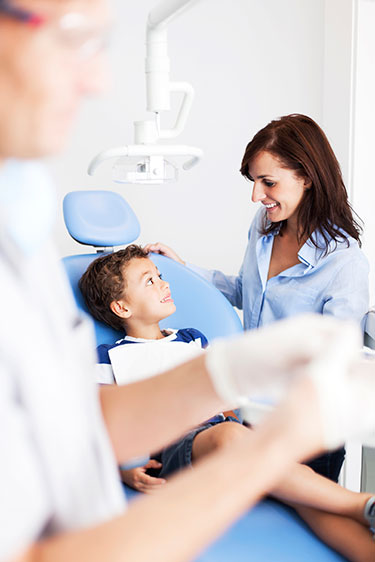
x: 126, y: 291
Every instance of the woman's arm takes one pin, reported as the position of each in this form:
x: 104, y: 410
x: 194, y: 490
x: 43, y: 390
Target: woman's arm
x: 347, y: 296
x: 229, y: 285
x: 164, y: 250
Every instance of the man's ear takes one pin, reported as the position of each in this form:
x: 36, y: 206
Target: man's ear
x: 121, y: 309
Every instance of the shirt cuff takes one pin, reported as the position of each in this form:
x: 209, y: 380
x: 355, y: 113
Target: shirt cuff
x: 205, y: 273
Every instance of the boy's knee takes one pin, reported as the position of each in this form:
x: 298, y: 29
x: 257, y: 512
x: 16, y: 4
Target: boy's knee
x: 216, y: 437
x: 226, y: 432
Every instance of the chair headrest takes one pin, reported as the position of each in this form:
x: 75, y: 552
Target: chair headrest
x: 100, y: 218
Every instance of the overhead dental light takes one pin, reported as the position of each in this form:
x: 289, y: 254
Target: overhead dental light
x: 148, y: 161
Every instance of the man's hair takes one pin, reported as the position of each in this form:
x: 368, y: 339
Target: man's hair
x: 104, y: 282
x: 301, y: 146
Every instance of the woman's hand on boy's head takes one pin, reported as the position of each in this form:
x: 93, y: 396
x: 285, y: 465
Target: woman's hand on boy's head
x: 159, y: 248
x: 138, y: 479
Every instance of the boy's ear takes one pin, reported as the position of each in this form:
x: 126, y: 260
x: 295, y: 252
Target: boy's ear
x: 120, y: 309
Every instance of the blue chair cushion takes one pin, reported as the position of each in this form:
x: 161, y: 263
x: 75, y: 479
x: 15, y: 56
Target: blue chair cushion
x: 270, y: 531
x: 100, y: 218
x: 75, y: 266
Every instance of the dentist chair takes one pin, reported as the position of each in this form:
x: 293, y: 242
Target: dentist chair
x: 103, y: 219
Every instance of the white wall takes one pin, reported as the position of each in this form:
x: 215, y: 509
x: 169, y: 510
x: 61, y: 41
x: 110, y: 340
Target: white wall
x: 249, y: 61
x: 364, y: 144
x: 340, y: 24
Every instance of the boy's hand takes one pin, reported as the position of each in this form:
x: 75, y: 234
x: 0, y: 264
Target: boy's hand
x: 138, y: 479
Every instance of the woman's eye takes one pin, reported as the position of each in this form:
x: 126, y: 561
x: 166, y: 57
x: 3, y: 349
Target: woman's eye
x: 149, y: 281
x: 160, y: 276
x: 269, y: 183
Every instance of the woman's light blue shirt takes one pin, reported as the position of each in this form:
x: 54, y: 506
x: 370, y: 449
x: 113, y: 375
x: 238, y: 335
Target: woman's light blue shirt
x: 336, y: 283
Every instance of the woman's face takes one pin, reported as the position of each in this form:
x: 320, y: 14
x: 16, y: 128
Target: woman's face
x: 277, y: 188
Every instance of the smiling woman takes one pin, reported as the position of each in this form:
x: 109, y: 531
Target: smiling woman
x: 303, y: 253
x: 293, y: 155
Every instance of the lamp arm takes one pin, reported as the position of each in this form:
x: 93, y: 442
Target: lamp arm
x: 141, y: 150
x: 158, y: 93
x: 166, y: 11
x: 183, y: 114
x: 157, y: 65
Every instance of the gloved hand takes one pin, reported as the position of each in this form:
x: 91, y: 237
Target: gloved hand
x: 346, y: 403
x: 265, y: 361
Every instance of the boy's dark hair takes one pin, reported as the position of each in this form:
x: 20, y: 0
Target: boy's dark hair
x: 103, y: 282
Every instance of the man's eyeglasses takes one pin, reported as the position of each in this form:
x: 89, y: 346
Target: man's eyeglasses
x: 73, y: 30
x: 7, y: 8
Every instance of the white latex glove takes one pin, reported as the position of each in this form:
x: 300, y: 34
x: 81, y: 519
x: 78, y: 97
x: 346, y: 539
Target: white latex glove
x: 265, y: 361
x: 346, y: 403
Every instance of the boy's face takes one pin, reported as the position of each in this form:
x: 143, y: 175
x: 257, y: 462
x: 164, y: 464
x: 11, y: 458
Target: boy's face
x: 147, y: 296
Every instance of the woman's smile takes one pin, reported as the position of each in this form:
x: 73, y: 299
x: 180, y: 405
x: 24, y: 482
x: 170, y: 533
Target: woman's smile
x: 271, y: 206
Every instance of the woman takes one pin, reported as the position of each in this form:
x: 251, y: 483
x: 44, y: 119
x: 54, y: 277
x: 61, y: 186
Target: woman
x: 303, y: 252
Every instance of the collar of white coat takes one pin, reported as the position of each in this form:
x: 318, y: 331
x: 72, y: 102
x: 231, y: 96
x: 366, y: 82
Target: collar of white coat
x: 27, y: 204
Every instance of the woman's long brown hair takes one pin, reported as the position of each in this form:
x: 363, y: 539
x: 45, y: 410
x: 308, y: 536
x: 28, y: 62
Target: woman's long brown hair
x: 301, y: 145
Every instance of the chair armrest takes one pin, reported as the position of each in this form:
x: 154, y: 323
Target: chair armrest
x: 369, y: 336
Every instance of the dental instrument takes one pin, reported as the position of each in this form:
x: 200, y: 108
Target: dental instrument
x: 147, y: 161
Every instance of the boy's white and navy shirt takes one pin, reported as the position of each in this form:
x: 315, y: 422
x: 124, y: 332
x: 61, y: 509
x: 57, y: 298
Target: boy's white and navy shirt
x: 126, y: 361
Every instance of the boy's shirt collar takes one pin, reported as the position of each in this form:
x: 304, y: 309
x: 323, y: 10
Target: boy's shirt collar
x: 171, y: 336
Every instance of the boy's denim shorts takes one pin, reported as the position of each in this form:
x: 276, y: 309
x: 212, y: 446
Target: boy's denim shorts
x: 329, y: 464
x: 178, y: 455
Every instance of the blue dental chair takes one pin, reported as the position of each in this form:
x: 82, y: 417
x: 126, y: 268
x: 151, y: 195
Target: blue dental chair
x: 103, y: 219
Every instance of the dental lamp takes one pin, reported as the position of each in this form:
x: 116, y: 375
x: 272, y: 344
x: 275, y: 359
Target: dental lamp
x: 144, y: 162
